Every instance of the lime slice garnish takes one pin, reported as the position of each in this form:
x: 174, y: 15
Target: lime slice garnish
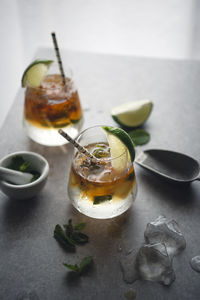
x: 132, y: 114
x: 35, y: 72
x: 119, y: 141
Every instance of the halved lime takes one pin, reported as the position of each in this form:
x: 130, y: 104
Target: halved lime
x: 35, y: 72
x: 119, y: 141
x: 132, y: 114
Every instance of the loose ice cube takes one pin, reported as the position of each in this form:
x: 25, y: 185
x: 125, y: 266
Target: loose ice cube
x: 154, y: 259
x: 195, y: 263
x: 165, y: 231
x: 154, y: 264
x: 150, y: 263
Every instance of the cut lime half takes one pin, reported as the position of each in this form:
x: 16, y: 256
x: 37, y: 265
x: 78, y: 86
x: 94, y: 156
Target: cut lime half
x: 132, y: 114
x: 35, y: 72
x: 119, y: 141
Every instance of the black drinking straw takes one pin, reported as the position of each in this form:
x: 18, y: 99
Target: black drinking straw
x: 58, y: 57
x: 77, y: 145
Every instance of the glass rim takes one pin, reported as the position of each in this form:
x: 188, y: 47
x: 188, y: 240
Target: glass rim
x: 55, y: 88
x: 104, y: 159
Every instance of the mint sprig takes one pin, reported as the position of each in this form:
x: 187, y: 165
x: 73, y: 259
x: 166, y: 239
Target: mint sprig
x: 73, y: 232
x: 70, y: 235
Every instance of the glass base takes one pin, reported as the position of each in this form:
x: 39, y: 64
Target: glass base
x: 51, y: 137
x: 105, y: 210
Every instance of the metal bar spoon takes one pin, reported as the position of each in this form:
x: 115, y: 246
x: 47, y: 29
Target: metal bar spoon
x: 173, y: 166
x: 80, y: 148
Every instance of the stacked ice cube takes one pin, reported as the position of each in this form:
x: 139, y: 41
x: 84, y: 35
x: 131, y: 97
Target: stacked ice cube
x: 153, y: 261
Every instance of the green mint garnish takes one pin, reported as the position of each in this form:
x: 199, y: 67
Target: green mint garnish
x: 79, y: 237
x: 63, y: 239
x: 85, y: 264
x: 75, y: 121
x: 70, y: 236
x: 16, y: 163
x: 139, y: 136
x: 74, y: 268
x: 19, y: 164
x: 100, y: 199
x: 24, y: 166
x: 99, y: 153
x: 80, y: 226
x: 36, y: 175
x: 68, y: 228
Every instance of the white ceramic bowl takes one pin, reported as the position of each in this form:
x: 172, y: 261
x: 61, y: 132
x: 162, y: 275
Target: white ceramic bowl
x: 30, y: 190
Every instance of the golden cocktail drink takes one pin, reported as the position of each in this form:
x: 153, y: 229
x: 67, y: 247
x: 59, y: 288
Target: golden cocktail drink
x: 51, y: 106
x: 105, y: 188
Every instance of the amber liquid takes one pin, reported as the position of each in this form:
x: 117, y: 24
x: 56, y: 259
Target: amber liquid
x: 99, y: 184
x: 52, y: 104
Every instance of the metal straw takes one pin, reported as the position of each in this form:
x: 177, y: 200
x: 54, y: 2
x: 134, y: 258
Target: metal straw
x: 77, y: 145
x: 58, y: 57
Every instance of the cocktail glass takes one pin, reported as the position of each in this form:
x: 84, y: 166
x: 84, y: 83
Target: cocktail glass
x: 51, y: 106
x: 105, y: 188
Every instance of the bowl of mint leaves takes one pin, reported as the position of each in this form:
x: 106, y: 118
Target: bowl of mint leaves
x: 25, y: 161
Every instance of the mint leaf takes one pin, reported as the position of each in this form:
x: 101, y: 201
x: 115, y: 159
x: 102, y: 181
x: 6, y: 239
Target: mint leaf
x: 85, y: 264
x: 63, y: 239
x: 74, y: 234
x: 79, y: 237
x: 139, y: 136
x: 80, y: 226
x: 36, y: 175
x: 24, y: 166
x: 74, y: 268
x: 69, y: 228
x: 16, y: 162
x: 19, y: 164
x: 99, y: 153
x: 100, y: 199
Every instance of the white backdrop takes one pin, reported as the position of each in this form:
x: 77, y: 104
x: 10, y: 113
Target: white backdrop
x: 154, y: 28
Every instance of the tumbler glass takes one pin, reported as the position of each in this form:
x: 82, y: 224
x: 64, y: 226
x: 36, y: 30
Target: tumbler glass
x: 51, y: 106
x: 104, y: 189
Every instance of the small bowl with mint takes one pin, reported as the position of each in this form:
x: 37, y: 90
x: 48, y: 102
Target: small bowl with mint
x: 23, y: 174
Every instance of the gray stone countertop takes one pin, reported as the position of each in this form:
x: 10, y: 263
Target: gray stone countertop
x: 30, y: 258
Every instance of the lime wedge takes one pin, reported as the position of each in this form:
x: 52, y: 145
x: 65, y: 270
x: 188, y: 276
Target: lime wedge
x: 132, y: 114
x: 35, y: 72
x: 119, y: 141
